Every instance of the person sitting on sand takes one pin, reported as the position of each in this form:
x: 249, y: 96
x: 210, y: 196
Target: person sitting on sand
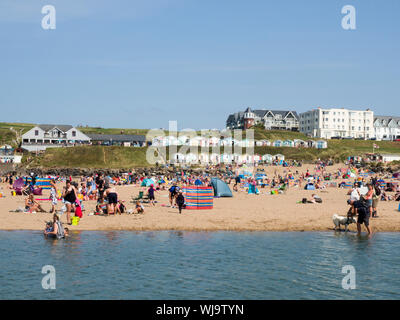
x: 315, y: 199
x: 32, y: 205
x: 101, y: 206
x: 120, y: 207
x: 139, y: 207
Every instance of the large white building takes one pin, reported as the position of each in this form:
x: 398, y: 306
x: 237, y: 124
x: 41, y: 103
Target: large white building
x: 270, y: 119
x: 387, y: 128
x: 328, y: 123
x: 51, y: 136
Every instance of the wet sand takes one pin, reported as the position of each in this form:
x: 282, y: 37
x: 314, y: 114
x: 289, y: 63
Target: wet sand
x: 243, y: 212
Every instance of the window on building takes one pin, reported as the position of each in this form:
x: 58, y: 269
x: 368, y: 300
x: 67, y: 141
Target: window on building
x: 74, y: 133
x: 36, y: 132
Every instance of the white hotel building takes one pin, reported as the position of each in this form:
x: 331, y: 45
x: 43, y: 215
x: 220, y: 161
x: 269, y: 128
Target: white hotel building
x: 328, y: 123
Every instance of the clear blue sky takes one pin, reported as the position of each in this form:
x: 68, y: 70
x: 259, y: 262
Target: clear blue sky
x: 140, y: 63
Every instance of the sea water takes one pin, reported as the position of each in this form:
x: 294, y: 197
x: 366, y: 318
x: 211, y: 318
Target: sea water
x: 199, y: 265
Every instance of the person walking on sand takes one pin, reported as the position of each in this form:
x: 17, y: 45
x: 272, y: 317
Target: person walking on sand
x: 70, y: 197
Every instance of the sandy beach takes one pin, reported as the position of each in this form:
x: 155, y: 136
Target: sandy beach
x: 243, y: 212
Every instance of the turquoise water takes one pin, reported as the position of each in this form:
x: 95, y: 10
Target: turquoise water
x: 199, y: 265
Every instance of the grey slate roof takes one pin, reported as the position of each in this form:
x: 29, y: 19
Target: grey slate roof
x: 262, y: 112
x: 394, y: 123
x: 117, y: 137
x: 49, y: 127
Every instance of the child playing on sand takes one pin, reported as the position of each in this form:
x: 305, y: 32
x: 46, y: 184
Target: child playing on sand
x: 139, y: 207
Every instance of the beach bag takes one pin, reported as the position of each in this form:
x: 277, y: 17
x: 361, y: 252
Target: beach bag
x: 304, y: 200
x: 78, y: 211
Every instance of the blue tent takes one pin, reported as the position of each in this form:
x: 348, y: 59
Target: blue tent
x: 309, y: 186
x: 147, y: 183
x: 198, y: 182
x: 221, y: 189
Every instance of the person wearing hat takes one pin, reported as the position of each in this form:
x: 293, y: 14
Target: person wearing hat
x: 180, y: 200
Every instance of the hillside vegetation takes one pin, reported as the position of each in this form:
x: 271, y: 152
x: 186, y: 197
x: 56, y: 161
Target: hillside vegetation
x: 129, y: 157
x: 7, y: 136
x: 90, y: 157
x: 123, y: 157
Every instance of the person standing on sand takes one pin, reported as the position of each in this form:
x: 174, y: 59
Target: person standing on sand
x: 70, y: 197
x: 180, y: 200
x: 368, y: 197
x: 53, y: 196
x: 151, y: 194
x: 112, y: 198
x: 100, y: 184
x: 172, y: 193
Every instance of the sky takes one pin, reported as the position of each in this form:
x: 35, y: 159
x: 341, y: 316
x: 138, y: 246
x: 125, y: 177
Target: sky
x: 142, y: 63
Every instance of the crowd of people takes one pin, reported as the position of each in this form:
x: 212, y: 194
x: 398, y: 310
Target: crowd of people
x: 364, y: 196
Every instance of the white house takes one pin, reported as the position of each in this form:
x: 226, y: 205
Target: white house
x: 387, y: 128
x: 328, y: 123
x: 50, y: 135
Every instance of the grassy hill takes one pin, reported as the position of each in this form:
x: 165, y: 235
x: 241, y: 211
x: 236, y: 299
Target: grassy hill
x: 7, y: 136
x: 91, y: 157
x: 121, y: 157
x: 98, y: 130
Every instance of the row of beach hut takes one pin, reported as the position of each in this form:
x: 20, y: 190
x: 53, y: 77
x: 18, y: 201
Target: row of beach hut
x: 200, y: 141
x: 214, y: 158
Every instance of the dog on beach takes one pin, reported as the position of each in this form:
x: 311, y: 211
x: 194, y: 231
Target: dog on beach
x: 342, y: 221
